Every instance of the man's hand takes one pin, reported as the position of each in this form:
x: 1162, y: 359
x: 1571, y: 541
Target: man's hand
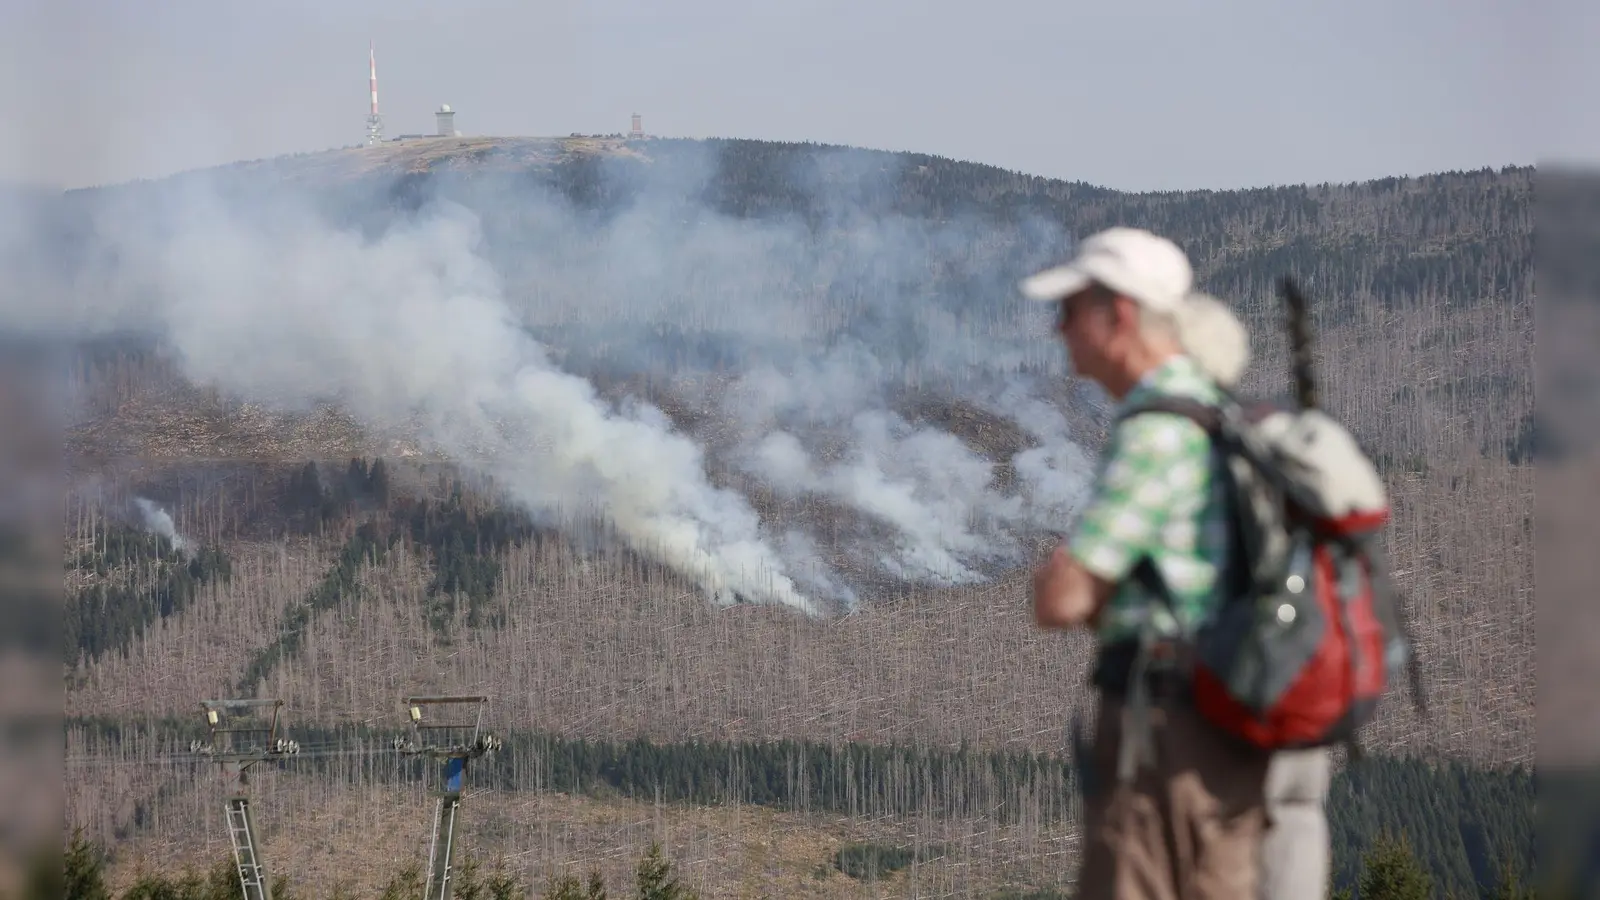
x: 1065, y: 594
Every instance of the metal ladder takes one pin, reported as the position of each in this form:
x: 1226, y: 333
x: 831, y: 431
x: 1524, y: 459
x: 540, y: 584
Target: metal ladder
x: 242, y: 829
x: 444, y: 838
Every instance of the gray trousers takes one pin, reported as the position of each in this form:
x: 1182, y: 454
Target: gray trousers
x: 1295, y: 849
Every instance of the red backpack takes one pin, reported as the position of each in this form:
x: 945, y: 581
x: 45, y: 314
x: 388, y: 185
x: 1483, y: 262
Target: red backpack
x: 1310, y: 633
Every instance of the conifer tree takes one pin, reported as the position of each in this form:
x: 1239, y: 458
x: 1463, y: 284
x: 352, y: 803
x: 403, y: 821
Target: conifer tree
x: 1509, y: 886
x: 84, y: 876
x: 655, y: 879
x: 1390, y: 871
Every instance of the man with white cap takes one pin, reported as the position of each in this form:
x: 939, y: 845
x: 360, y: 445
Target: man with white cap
x: 1173, y: 806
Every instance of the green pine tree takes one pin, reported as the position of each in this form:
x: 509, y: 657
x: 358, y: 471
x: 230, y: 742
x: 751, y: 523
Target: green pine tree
x: 502, y: 884
x: 655, y: 879
x: 221, y: 883
x: 568, y: 887
x: 1390, y: 871
x: 84, y: 870
x: 464, y: 881
x: 378, y: 483
x: 565, y: 887
x: 405, y: 885
x: 1509, y: 885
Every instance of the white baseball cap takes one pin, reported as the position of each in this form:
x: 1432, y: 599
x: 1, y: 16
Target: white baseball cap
x: 1146, y: 267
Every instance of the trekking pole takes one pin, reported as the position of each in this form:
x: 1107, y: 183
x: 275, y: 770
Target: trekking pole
x: 1305, y: 385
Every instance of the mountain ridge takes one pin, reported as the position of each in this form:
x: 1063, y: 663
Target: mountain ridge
x: 804, y: 348
x: 498, y: 147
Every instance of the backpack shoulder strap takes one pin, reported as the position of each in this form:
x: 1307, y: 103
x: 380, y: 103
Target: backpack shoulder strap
x: 1212, y: 419
x: 1222, y: 422
x: 1203, y: 414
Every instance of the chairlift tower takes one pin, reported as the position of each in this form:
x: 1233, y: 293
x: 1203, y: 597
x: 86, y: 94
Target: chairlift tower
x: 236, y: 746
x: 452, y: 738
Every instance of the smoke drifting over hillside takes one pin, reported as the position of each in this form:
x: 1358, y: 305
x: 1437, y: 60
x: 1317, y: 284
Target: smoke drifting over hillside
x: 482, y: 312
x: 159, y: 521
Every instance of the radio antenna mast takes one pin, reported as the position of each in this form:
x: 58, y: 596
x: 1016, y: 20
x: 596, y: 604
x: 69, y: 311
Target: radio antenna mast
x: 374, y: 121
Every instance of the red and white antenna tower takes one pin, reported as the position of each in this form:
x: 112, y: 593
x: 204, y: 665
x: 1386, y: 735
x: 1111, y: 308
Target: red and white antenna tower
x: 374, y: 121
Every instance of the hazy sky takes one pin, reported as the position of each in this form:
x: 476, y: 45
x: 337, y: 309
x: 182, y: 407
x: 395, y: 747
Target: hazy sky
x: 1150, y: 94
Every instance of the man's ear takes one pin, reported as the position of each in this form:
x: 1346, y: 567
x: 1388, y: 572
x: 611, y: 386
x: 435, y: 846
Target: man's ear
x: 1125, y: 312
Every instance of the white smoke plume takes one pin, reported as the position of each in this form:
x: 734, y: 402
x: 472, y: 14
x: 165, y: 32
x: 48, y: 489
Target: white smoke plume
x: 159, y: 521
x: 411, y: 327
x: 482, y: 313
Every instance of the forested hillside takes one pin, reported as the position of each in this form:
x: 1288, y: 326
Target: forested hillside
x: 1470, y: 832
x: 668, y: 446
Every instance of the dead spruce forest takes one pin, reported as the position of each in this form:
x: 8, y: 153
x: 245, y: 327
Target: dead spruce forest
x: 440, y: 421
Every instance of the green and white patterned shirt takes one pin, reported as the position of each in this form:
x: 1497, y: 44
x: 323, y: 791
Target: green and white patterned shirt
x: 1156, y: 494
